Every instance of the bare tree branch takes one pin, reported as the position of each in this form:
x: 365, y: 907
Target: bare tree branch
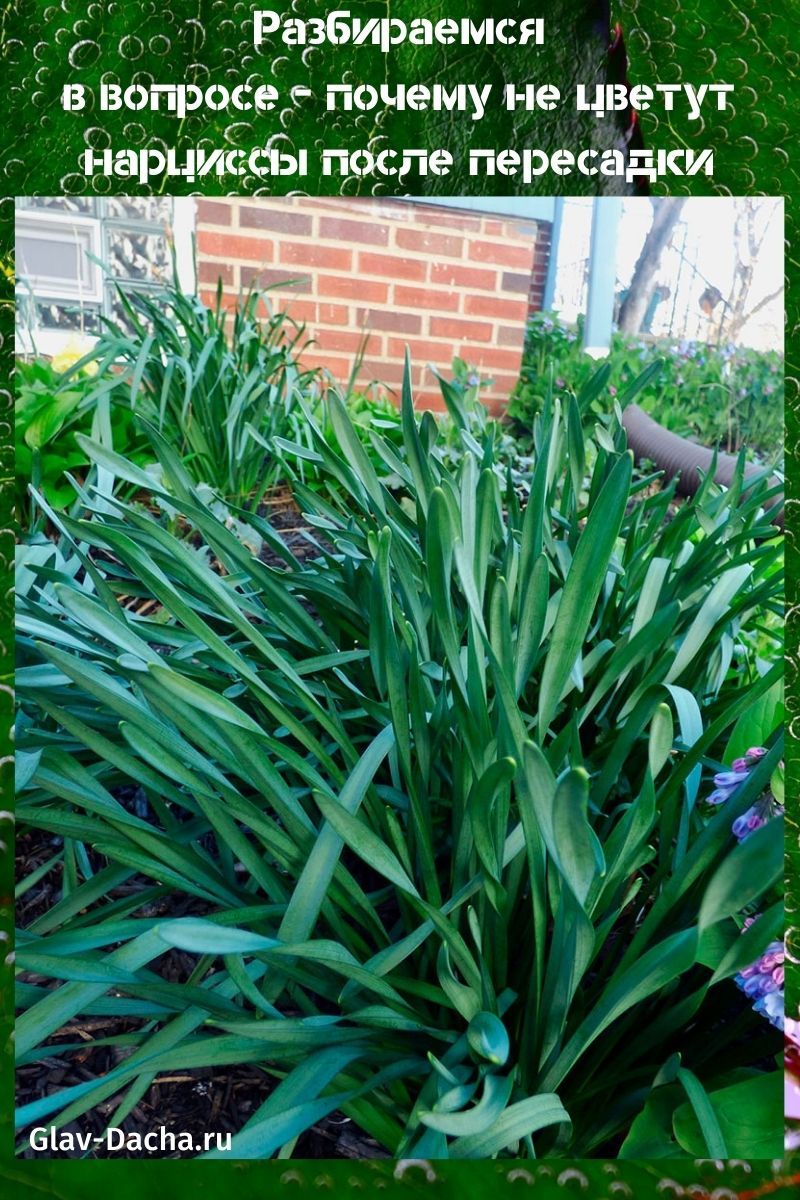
x: 762, y: 304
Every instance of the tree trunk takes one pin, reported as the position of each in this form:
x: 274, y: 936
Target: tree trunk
x: 748, y: 242
x: 733, y: 313
x: 666, y: 211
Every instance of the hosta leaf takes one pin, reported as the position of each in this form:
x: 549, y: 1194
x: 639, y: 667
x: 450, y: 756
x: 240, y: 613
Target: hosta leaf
x: 650, y: 1135
x: 749, y: 1116
x: 757, y: 724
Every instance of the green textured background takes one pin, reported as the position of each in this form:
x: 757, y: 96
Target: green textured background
x: 668, y: 41
x: 173, y: 41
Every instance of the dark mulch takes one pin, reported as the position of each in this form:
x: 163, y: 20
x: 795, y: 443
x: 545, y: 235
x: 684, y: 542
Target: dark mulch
x: 185, y: 1101
x: 189, y: 1101
x: 304, y: 542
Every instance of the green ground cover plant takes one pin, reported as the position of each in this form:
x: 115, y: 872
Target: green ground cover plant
x: 726, y: 396
x: 432, y: 800
x: 219, y: 385
x: 50, y: 408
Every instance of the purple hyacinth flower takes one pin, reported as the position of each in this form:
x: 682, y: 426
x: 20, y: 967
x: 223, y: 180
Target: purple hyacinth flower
x: 728, y: 780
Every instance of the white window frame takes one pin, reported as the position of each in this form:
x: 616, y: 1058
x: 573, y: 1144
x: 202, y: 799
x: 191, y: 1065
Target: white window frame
x: 49, y: 342
x: 184, y: 219
x: 63, y: 227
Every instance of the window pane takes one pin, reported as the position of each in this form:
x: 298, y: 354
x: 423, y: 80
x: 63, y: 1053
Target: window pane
x: 55, y: 259
x: 136, y: 255
x: 53, y: 314
x: 69, y: 204
x: 53, y: 255
x: 157, y: 209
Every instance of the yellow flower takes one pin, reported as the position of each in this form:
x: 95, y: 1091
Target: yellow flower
x: 74, y: 349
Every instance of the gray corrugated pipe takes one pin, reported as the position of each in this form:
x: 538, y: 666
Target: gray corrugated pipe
x: 675, y: 455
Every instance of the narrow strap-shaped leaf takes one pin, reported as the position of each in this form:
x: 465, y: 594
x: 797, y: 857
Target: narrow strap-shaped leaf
x: 582, y: 587
x: 518, y: 1121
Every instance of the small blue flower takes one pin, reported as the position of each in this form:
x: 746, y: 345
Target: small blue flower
x: 773, y: 1008
x: 726, y: 783
x: 729, y: 779
x: 756, y: 815
x: 763, y: 982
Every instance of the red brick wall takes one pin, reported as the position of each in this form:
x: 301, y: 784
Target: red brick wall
x: 444, y: 282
